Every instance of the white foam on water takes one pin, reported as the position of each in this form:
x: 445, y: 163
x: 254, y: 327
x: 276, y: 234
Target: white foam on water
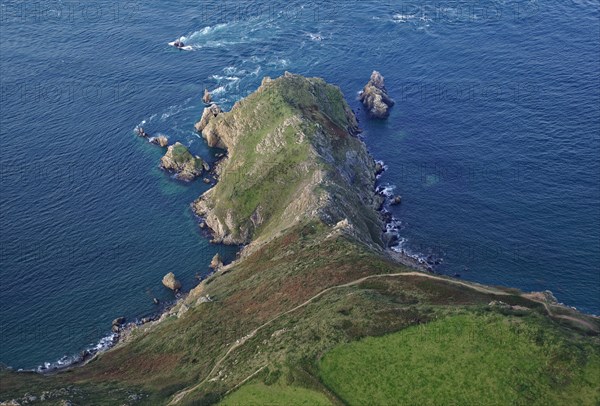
x: 219, y: 90
x: 386, y: 189
x: 315, y: 36
x: 102, y: 345
x: 402, y: 18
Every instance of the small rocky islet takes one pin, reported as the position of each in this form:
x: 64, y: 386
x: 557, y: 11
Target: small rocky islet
x: 375, y: 98
x: 179, y: 160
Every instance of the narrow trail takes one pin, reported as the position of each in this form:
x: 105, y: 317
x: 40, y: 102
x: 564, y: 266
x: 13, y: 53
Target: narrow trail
x: 178, y: 396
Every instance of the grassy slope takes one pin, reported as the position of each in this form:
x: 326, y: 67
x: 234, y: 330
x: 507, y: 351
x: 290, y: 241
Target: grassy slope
x: 298, y: 262
x: 469, y: 359
x: 180, y: 353
x: 259, y: 394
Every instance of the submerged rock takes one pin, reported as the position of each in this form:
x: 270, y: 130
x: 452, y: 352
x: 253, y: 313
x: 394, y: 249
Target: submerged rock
x: 178, y: 159
x: 171, y: 282
x: 375, y: 98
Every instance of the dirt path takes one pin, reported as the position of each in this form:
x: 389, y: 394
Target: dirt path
x: 178, y: 396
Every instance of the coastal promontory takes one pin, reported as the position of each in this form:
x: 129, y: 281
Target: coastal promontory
x: 314, y: 309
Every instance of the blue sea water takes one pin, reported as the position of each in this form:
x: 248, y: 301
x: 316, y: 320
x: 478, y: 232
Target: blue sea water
x: 493, y: 142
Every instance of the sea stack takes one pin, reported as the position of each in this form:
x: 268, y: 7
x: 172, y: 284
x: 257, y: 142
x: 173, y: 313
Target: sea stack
x: 171, y: 282
x: 375, y: 98
x: 207, y: 98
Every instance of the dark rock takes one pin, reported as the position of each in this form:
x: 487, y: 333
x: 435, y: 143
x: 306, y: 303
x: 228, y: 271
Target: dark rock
x: 396, y: 200
x: 118, y: 321
x: 141, y: 133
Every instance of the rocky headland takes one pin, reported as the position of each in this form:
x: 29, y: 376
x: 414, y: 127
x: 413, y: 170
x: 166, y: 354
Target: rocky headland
x: 297, y: 187
x: 292, y: 154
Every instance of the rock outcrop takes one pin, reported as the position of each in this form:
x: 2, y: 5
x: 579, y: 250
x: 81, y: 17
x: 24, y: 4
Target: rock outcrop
x: 375, y: 98
x: 206, y: 98
x: 117, y: 323
x: 171, y: 282
x: 208, y: 114
x: 161, y: 140
x: 178, y: 159
x: 217, y: 262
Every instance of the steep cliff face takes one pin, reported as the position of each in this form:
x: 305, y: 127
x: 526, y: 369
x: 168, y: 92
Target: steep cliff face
x: 293, y: 154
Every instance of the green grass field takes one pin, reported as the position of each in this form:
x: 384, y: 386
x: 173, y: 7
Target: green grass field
x: 274, y: 395
x: 464, y: 360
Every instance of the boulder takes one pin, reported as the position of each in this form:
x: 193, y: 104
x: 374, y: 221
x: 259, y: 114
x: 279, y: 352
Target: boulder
x: 375, y: 98
x: 208, y: 114
x: 178, y: 159
x: 160, y: 140
x: 207, y: 98
x: 141, y: 132
x: 171, y: 282
x: 119, y: 321
x: 217, y: 262
x: 396, y: 200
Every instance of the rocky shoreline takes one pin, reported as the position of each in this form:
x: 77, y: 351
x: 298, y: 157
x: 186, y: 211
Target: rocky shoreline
x: 188, y: 167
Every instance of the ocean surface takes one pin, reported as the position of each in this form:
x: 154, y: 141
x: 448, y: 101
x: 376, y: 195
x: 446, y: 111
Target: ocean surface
x: 493, y: 143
